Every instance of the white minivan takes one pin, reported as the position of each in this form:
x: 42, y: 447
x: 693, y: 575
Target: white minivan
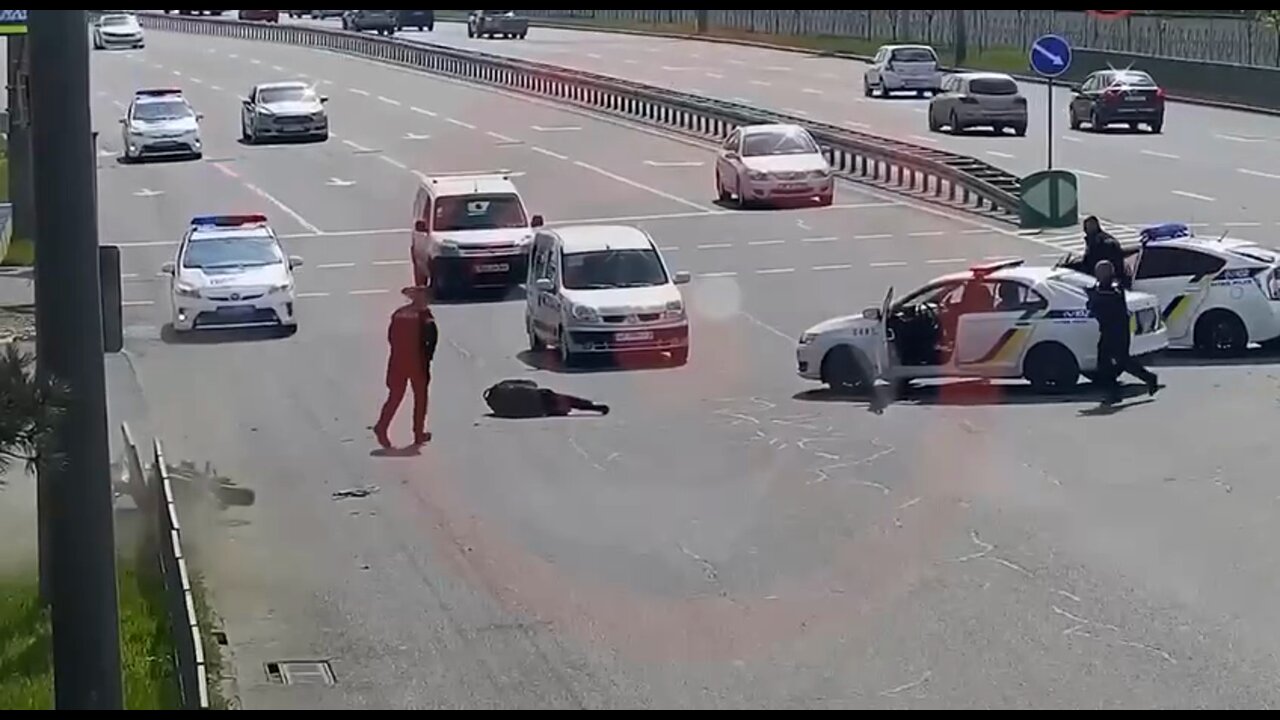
x: 903, y: 68
x: 594, y: 290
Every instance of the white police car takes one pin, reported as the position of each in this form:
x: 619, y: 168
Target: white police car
x: 161, y: 123
x: 1003, y: 320
x: 1216, y: 295
x: 231, y: 272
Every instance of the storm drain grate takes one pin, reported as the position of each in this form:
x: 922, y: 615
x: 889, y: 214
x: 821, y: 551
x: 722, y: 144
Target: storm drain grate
x: 301, y: 673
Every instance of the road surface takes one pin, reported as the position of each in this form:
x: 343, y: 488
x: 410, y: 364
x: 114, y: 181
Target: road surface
x: 731, y: 536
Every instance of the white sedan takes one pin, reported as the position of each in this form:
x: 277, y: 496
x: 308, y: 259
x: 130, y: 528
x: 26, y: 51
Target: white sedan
x: 1004, y: 320
x: 117, y: 31
x: 769, y: 163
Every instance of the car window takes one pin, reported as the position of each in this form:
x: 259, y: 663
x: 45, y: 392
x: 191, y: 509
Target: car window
x: 1016, y: 297
x: 229, y: 253
x: 914, y: 55
x: 479, y: 212
x: 787, y: 142
x: 612, y: 269
x: 993, y: 86
x: 116, y: 20
x: 731, y: 144
x: 165, y: 110
x: 1134, y: 78
x: 1168, y: 262
x: 932, y: 294
x: 268, y: 96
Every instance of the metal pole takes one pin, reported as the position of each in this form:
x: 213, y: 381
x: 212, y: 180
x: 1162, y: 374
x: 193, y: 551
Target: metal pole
x: 86, y: 632
x: 962, y: 37
x: 20, y: 184
x: 1050, y: 138
x: 701, y: 24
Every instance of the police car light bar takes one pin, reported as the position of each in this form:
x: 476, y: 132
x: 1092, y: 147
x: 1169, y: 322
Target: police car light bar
x: 503, y: 174
x: 995, y: 267
x: 158, y: 92
x: 229, y: 220
x: 1166, y: 232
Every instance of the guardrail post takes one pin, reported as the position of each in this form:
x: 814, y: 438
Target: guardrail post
x: 701, y: 22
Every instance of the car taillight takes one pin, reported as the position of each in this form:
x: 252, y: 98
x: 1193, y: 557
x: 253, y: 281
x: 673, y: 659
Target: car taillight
x: 1160, y: 93
x: 1111, y: 95
x: 1273, y: 285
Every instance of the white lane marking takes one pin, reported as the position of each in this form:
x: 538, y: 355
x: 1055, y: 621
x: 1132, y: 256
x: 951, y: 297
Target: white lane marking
x: 947, y: 261
x: 640, y: 186
x: 931, y: 233
x: 1193, y: 196
x: 356, y: 146
x: 819, y: 240
x: 829, y: 268
x: 812, y: 91
x: 460, y: 123
x: 196, y: 80
x: 216, y: 88
x: 1072, y: 138
x: 796, y: 111
x: 674, y: 68
x: 977, y: 231
x: 778, y: 68
x: 177, y: 73
x: 389, y: 101
x: 737, y: 62
x: 595, y: 56
x: 393, y: 162
x: 716, y: 246
x: 308, y: 296
x: 632, y: 61
x: 158, y: 66
x: 857, y: 125
x: 761, y: 83
x: 344, y: 233
x: 550, y: 153
x: 830, y: 76
x: 137, y: 303
x: 148, y: 192
x: 369, y: 292
x: 415, y: 136
x: 335, y: 266
x: 358, y: 91
x: 715, y: 76
x: 1256, y: 173
x: 233, y: 56
x: 555, y: 128
x: 872, y: 237
x: 888, y: 265
x: 918, y: 110
x: 255, y: 61
x: 501, y: 138
x: 1237, y: 138
x: 390, y: 263
x: 924, y: 138
x: 277, y: 68
x: 1086, y: 173
x: 674, y: 163
x: 1167, y: 156
x: 422, y: 111
x: 776, y: 271
x: 996, y: 153
x: 766, y: 243
x: 718, y: 275
x: 270, y: 198
x: 1242, y: 224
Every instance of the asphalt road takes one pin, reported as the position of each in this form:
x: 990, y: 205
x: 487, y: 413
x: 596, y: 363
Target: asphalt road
x: 729, y: 537
x: 1216, y: 167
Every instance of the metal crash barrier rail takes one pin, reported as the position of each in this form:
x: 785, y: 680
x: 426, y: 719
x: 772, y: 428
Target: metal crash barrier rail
x: 920, y: 172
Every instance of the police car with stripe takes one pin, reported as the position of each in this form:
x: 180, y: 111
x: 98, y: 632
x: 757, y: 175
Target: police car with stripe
x: 1216, y: 295
x: 159, y: 123
x: 231, y: 272
x: 1003, y: 320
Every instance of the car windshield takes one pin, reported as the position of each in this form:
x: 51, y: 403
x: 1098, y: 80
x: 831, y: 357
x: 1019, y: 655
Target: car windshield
x: 784, y: 142
x: 116, y: 20
x: 916, y: 55
x: 1133, y: 79
x: 270, y: 96
x: 613, y: 269
x: 231, y: 252
x: 993, y: 86
x: 479, y: 212
x: 165, y: 110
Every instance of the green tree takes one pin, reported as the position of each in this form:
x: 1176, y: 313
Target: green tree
x: 29, y: 410
x: 1271, y: 18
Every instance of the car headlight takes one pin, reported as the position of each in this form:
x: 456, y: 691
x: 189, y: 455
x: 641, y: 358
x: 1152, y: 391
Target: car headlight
x: 585, y: 313
x: 281, y: 288
x: 821, y: 174
x: 808, y: 338
x: 266, y: 112
x: 185, y: 290
x: 674, y: 311
x: 757, y: 175
x: 449, y: 248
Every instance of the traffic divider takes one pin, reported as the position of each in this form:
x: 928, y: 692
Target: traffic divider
x: 923, y: 173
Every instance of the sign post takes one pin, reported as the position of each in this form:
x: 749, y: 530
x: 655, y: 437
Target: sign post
x: 1051, y: 57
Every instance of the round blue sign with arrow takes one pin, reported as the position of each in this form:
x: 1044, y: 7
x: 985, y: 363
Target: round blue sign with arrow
x: 1051, y: 56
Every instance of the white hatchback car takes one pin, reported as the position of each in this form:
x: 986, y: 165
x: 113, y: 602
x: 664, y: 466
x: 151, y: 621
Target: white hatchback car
x: 604, y: 289
x: 970, y: 100
x: 1004, y: 320
x: 903, y: 68
x: 769, y: 163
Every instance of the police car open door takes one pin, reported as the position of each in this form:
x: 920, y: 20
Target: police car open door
x: 991, y: 337
x: 883, y: 367
x: 1181, y: 279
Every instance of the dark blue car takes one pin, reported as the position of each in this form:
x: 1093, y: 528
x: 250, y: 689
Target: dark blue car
x: 421, y: 19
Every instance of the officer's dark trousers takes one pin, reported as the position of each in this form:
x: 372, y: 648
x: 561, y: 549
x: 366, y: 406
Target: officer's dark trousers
x: 1114, y: 360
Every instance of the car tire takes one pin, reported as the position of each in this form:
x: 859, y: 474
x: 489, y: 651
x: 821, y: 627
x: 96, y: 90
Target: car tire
x: 954, y: 122
x: 827, y: 199
x: 846, y: 369
x: 922, y: 94
x: 523, y: 35
x: 1157, y: 127
x: 535, y: 344
x: 1095, y: 122
x: 1020, y: 130
x: 1051, y: 368
x: 322, y: 137
x: 867, y: 90
x: 680, y: 357
x: 568, y: 358
x: 740, y: 196
x: 1073, y: 120
x: 934, y: 125
x: 1221, y: 332
x: 724, y: 195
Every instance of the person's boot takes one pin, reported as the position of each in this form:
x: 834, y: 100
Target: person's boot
x: 383, y: 440
x: 422, y: 438
x: 1153, y: 385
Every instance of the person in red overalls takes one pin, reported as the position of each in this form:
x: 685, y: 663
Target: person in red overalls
x: 412, y: 337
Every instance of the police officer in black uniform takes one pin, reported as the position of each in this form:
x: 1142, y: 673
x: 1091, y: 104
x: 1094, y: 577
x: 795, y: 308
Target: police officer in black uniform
x: 1101, y: 246
x: 1108, y: 305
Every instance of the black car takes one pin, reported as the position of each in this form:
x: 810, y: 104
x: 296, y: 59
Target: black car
x: 1118, y: 97
x: 421, y: 19
x: 382, y: 22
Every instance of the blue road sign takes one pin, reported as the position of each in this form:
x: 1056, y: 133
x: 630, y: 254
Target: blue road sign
x: 1051, y: 56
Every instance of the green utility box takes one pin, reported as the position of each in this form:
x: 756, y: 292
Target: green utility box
x: 1050, y: 199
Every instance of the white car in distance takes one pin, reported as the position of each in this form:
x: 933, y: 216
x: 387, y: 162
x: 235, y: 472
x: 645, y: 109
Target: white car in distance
x: 1000, y: 321
x: 772, y: 163
x: 971, y: 100
x: 117, y: 30
x: 903, y: 68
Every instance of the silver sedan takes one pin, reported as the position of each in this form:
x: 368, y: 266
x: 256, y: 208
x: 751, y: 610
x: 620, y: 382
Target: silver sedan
x: 970, y: 100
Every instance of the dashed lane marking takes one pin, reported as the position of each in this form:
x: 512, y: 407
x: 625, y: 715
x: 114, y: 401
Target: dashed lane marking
x: 356, y: 146
x: 640, y: 186
x: 393, y: 162
x: 501, y: 138
x: 1167, y: 156
x: 358, y: 91
x: 269, y: 198
x: 460, y: 123
x: 389, y: 101
x: 1193, y: 196
x: 550, y: 153
x: 424, y: 111
x: 1257, y: 173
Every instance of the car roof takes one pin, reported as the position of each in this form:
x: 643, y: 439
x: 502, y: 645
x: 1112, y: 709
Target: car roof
x: 463, y: 185
x: 1033, y: 275
x: 984, y: 76
x: 284, y: 85
x: 1213, y: 246
x: 143, y: 97
x: 772, y: 128
x: 601, y: 238
x: 908, y: 47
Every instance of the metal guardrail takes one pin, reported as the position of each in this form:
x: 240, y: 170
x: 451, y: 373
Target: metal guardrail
x: 153, y: 493
x: 921, y: 172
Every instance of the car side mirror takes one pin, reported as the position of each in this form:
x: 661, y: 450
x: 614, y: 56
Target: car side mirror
x: 872, y: 314
x: 246, y: 101
x: 199, y: 117
x: 544, y: 285
x: 732, y: 155
x: 295, y: 262
x: 168, y: 268
x: 324, y: 99
x: 420, y: 226
x: 537, y: 221
x: 683, y: 278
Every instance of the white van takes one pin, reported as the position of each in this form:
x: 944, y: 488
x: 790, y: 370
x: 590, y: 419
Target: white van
x: 470, y: 231
x: 604, y: 289
x: 903, y: 68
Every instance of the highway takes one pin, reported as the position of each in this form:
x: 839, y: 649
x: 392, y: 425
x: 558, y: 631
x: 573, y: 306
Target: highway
x: 730, y: 537
x: 1216, y: 168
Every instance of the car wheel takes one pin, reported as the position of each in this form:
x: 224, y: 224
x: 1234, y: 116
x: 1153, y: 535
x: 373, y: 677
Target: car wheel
x: 922, y: 94
x: 867, y: 90
x: 1095, y: 122
x: 847, y: 370
x: 567, y: 357
x: 523, y: 35
x: 741, y: 196
x: 1157, y: 127
x: 827, y: 199
x: 934, y: 125
x: 1051, y: 368
x: 954, y: 122
x: 470, y: 32
x: 535, y: 343
x: 725, y: 195
x: 680, y: 357
x: 1221, y: 332
x: 1020, y: 130
x: 1073, y: 120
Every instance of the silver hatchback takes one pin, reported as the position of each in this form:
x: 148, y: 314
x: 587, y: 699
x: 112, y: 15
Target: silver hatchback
x: 971, y: 100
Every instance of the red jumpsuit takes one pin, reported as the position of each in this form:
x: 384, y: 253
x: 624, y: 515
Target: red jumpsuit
x: 412, y: 337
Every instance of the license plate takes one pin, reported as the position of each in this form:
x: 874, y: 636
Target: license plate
x: 635, y: 336
x: 495, y: 268
x: 791, y: 186
x: 1135, y: 99
x: 236, y: 310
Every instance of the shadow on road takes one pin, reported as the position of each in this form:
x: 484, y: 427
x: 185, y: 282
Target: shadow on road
x: 967, y: 393
x: 549, y: 361
x: 225, y: 337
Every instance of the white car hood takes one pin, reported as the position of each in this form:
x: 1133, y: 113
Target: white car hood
x: 483, y: 238
x: 123, y: 30
x: 842, y: 324
x: 786, y: 163
x: 236, y: 278
x: 293, y: 108
x: 625, y: 301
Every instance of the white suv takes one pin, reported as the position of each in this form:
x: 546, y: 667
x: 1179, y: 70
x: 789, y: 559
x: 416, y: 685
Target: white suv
x: 470, y: 231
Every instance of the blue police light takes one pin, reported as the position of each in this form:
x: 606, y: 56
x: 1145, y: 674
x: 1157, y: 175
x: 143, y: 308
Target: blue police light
x: 228, y: 220
x: 158, y: 92
x: 1166, y: 232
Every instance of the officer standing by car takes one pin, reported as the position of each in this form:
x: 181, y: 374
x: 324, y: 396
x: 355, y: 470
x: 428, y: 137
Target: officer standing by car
x: 412, y: 338
x: 1107, y: 304
x: 1101, y: 246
